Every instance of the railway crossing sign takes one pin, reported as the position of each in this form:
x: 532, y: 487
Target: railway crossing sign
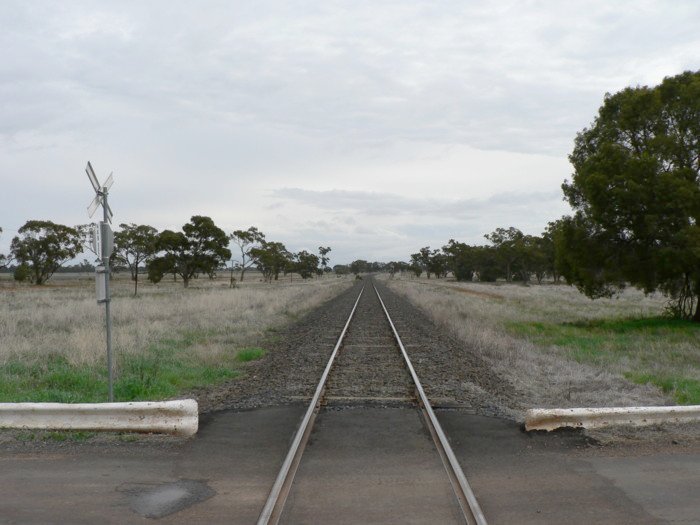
x: 101, y: 193
x: 101, y: 240
x: 103, y: 246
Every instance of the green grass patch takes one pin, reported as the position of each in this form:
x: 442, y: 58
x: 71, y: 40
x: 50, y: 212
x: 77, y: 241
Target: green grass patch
x: 163, y: 370
x: 55, y: 436
x: 68, y: 435
x: 685, y: 391
x: 609, y: 339
x: 644, y: 345
x: 249, y: 354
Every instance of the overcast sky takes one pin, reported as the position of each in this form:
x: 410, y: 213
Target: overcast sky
x: 373, y: 127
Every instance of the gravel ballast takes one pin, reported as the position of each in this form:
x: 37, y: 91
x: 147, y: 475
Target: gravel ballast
x: 369, y: 364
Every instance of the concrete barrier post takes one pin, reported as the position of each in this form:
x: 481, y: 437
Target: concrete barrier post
x: 553, y: 418
x: 179, y: 417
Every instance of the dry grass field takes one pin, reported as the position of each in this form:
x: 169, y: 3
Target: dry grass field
x: 166, y: 340
x: 560, y: 348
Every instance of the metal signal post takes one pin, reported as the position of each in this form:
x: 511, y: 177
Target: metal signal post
x: 103, y: 245
x: 108, y: 302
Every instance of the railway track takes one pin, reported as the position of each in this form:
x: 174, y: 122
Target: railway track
x: 369, y: 363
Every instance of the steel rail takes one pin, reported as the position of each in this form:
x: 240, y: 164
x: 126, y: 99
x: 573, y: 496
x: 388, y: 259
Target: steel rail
x: 467, y: 501
x: 272, y: 511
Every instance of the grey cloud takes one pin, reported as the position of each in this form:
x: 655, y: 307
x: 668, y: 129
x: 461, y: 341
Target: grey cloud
x: 390, y: 226
x: 388, y: 204
x: 498, y: 77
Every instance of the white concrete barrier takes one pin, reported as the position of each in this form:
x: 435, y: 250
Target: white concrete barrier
x: 553, y: 418
x: 179, y: 417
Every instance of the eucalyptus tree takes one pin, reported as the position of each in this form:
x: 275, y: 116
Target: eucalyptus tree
x: 135, y: 245
x: 635, y: 191
x: 359, y: 266
x: 341, y: 269
x: 42, y: 247
x: 323, y: 252
x: 201, y: 247
x: 306, y: 264
x: 247, y: 241
x: 505, y: 243
x: 271, y: 259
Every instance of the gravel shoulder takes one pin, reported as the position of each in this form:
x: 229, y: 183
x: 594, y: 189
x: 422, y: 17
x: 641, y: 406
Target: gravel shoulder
x: 451, y: 373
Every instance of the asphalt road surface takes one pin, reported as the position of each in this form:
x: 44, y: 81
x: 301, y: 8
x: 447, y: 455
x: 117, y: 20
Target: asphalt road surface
x: 349, y: 475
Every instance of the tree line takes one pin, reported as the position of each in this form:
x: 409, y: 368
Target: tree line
x: 510, y: 256
x: 41, y: 248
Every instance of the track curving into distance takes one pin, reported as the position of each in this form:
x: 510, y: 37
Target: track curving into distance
x: 274, y: 506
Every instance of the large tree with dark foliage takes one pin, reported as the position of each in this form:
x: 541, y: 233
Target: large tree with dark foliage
x: 636, y: 195
x: 201, y: 247
x: 472, y: 263
x: 42, y: 247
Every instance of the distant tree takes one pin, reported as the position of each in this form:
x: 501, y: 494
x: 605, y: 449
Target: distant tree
x: 305, y: 264
x: 438, y: 263
x: 341, y: 269
x: 247, y: 241
x: 636, y: 195
x: 539, y: 258
x: 135, y: 245
x: 416, y: 264
x: 422, y: 260
x: 473, y: 263
x: 272, y: 258
x: 505, y: 243
x: 323, y: 254
x: 398, y: 267
x: 460, y: 259
x: 359, y: 266
x: 548, y: 247
x: 531, y: 258
x: 42, y: 247
x: 201, y: 247
x: 376, y: 266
